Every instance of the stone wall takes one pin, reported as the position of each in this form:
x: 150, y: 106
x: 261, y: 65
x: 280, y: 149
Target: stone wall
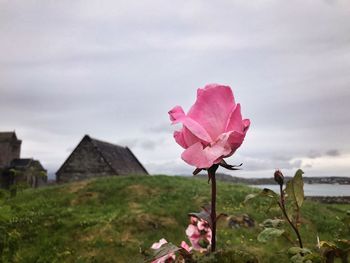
x: 9, y: 150
x: 33, y: 176
x: 85, y: 162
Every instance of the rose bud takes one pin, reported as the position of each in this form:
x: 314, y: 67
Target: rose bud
x: 279, y: 178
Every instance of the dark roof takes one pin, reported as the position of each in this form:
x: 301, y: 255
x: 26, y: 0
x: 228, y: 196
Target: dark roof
x: 121, y: 159
x: 26, y: 163
x: 21, y: 162
x: 7, y: 136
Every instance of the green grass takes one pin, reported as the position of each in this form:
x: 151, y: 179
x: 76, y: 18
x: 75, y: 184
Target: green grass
x: 111, y: 219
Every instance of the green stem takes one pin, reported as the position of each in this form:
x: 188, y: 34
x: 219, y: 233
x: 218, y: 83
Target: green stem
x: 283, y: 208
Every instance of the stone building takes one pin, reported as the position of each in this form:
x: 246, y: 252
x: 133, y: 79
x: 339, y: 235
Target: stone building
x: 95, y: 158
x: 13, y: 169
x: 10, y: 148
x: 26, y: 172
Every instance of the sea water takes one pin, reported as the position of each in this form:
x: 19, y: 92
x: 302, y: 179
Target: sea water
x: 316, y: 189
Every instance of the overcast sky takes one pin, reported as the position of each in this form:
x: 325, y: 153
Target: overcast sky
x: 113, y: 69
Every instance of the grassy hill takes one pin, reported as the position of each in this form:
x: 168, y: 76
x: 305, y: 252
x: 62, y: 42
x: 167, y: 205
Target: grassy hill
x: 112, y: 219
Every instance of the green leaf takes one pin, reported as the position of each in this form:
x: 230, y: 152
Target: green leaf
x: 269, y: 193
x: 249, y: 197
x: 264, y: 193
x: 165, y: 249
x: 298, y: 187
x: 294, y: 250
x: 204, y: 214
x: 298, y: 250
x: 289, y: 190
x: 272, y: 223
x: 343, y: 244
x: 269, y: 233
x: 303, y: 255
x: 295, y: 188
x: 327, y: 244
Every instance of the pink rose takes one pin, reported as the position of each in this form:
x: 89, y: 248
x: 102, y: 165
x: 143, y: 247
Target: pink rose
x: 212, y: 129
x: 165, y: 259
x: 199, y: 234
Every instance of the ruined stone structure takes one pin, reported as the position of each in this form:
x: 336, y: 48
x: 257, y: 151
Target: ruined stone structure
x: 24, y: 172
x: 95, y: 158
x: 13, y: 169
x: 29, y: 171
x: 10, y: 148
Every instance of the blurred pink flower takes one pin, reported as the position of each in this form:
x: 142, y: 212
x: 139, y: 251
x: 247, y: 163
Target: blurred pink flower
x: 212, y: 129
x: 165, y: 259
x: 199, y: 234
x: 186, y: 247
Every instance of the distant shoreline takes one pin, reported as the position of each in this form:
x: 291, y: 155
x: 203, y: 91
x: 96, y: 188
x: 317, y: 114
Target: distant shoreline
x: 259, y: 181
x: 307, y: 180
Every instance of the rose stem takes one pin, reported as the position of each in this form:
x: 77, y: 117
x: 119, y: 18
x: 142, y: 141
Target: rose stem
x: 283, y: 208
x: 211, y: 174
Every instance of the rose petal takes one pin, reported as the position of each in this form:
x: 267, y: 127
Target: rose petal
x: 208, y: 235
x: 159, y: 244
x: 197, y: 156
x: 224, y: 146
x: 201, y: 225
x: 185, y: 138
x: 235, y: 120
x: 185, y: 246
x: 176, y: 114
x: 165, y: 259
x: 194, y: 220
x: 212, y: 108
x: 246, y: 124
x: 192, y: 231
x: 179, y: 138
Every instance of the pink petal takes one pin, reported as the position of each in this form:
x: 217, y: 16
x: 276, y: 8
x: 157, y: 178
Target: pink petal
x: 204, y: 157
x: 208, y: 235
x: 179, y: 138
x: 194, y: 239
x: 165, y: 259
x: 193, y: 220
x: 192, y: 231
x: 197, y: 156
x: 213, y: 108
x: 159, y: 244
x: 176, y: 114
x: 202, y: 225
x: 235, y: 120
x: 196, y: 129
x: 185, y: 137
x: 246, y: 124
x: 185, y: 246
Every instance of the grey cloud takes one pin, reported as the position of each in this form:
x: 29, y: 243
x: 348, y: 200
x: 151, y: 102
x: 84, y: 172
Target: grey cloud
x: 313, y: 154
x: 308, y: 165
x: 113, y: 70
x: 333, y: 153
x: 173, y: 167
x: 161, y: 128
x: 281, y: 157
x: 317, y: 154
x: 143, y: 143
x: 268, y: 164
